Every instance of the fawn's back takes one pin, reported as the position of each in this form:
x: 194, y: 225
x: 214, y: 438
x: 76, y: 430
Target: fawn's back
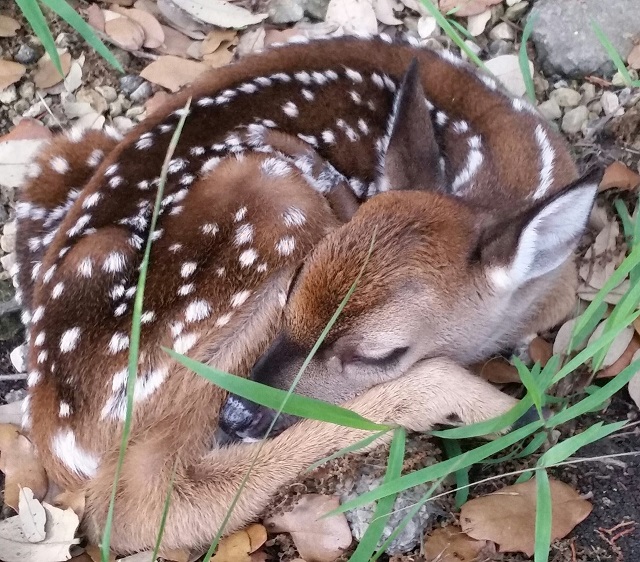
x: 276, y: 152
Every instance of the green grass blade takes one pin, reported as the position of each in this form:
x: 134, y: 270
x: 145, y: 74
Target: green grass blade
x: 487, y: 427
x: 270, y: 397
x: 381, y: 515
x: 536, y: 442
x: 33, y: 14
x: 453, y: 449
x: 441, y: 469
x: 563, y: 450
x: 597, y: 398
x: 531, y: 384
x: 595, y: 317
x: 463, y: 30
x: 350, y: 449
x: 627, y: 223
x: 134, y: 340
x: 543, y: 517
x: 72, y: 17
x: 523, y: 58
x: 446, y: 26
x: 614, y: 55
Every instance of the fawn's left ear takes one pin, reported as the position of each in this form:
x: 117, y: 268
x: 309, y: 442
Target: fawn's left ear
x: 412, y: 158
x: 542, y: 239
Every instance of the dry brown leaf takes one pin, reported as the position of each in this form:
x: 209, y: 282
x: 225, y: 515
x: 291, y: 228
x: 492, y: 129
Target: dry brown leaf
x: 125, y: 33
x: 95, y: 17
x: 507, y: 517
x: 617, y: 175
x: 634, y: 383
x: 47, y: 74
x: 173, y: 72
x: 10, y: 73
x: 215, y: 39
x: 73, y: 500
x: 317, y: 540
x: 540, y: 350
x: 497, y: 370
x: 634, y: 57
x: 176, y: 43
x: 353, y: 15
x: 32, y: 516
x: 153, y: 34
x: 220, y: 13
x: 467, y: 7
x: 450, y: 544
x: 623, y: 361
x: 8, y: 26
x: 28, y: 129
x: 21, y: 466
x: 60, y: 530
x: 220, y: 58
x: 238, y: 546
x: 617, y: 347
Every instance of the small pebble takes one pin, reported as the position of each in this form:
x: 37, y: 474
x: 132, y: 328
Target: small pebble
x: 472, y: 46
x: 93, y: 98
x: 550, y: 110
x: 595, y: 107
x: 142, y: 93
x: 609, y: 102
x: 477, y: 24
x: 123, y: 124
x: 115, y: 108
x: 574, y: 119
x: 566, y: 97
x: 500, y: 47
x: 26, y: 55
x: 502, y: 31
x: 514, y: 12
x: 107, y: 92
x: 27, y: 91
x: 130, y: 83
x: 21, y: 106
x: 8, y: 95
x: 588, y: 92
x: 135, y: 111
x: 17, y: 357
x: 427, y: 27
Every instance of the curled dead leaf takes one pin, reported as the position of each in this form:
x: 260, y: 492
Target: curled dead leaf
x: 507, y: 517
x: 95, y: 17
x: 215, y: 39
x: 617, y: 175
x: 47, y: 74
x: 125, y: 32
x: 634, y: 57
x: 32, y: 516
x: 317, y: 540
x: 28, y: 129
x: 173, y: 72
x: 177, y: 44
x: 8, y: 26
x: 450, y: 544
x: 10, y: 73
x: 540, y: 350
x: 623, y: 361
x: 21, y: 466
x: 617, y: 347
x: 497, y: 370
x: 238, y: 546
x: 153, y: 33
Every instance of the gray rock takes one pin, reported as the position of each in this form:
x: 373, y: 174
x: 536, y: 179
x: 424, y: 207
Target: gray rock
x: 130, y: 82
x: 8, y: 95
x: 550, y: 110
x: 609, y: 102
x: 21, y: 106
x: 514, y: 11
x: 26, y: 55
x: 574, y: 119
x: 565, y: 97
x: 588, y: 92
x: 142, y: 93
x: 565, y: 41
x: 499, y: 47
x: 93, y: 98
x: 287, y: 11
x: 502, y: 31
x: 27, y: 91
x: 107, y: 92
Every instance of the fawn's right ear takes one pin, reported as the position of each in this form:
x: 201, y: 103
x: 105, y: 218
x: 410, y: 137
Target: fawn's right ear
x: 412, y: 157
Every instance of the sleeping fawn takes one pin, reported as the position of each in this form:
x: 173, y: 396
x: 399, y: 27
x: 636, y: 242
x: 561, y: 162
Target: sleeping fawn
x: 288, y: 163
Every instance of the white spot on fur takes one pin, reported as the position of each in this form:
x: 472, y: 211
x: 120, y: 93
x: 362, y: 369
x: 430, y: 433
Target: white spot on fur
x: 547, y: 156
x: 57, y: 290
x: 176, y: 165
x: 307, y: 94
x: 290, y: 109
x: 59, y: 164
x: 328, y: 137
x: 224, y: 319
x: 460, y: 127
x: 95, y: 158
x: 38, y: 313
x: 119, y: 342
x: 175, y: 248
x: 309, y: 139
x: 240, y: 214
x: 33, y: 378
x: 42, y: 356
x: 303, y: 77
x: 115, y: 181
x: 377, y: 80
x: 111, y: 170
x: 78, y: 227
x: 240, y: 298
x: 248, y: 88
x: 248, y: 257
x: 210, y: 228
x: 91, y: 200
x: 197, y: 310
x: 205, y: 102
x: 185, y: 342
x: 188, y: 268
x: 275, y: 167
x: 40, y: 338
x: 65, y: 410
x: 76, y: 459
x: 244, y: 234
x: 69, y: 339
x: 145, y: 141
x: 147, y: 316
x: 186, y: 289
x: 293, y: 217
x: 472, y: 165
x: 176, y: 328
x: 114, y: 262
x: 120, y: 310
x: 85, y: 267
x: 286, y: 245
x: 353, y: 75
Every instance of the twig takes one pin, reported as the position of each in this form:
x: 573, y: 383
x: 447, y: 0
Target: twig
x: 13, y: 376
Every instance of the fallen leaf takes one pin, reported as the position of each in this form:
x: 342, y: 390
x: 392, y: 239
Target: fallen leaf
x: 32, y: 516
x: 466, y: 7
x: 540, y: 350
x: 125, y: 33
x: 353, y: 15
x: 617, y: 347
x: 384, y: 12
x: 10, y: 73
x: 95, y: 17
x: 603, y: 257
x: 634, y: 383
x: 173, y: 72
x: 153, y: 34
x: 497, y: 370
x: 220, y: 13
x: 617, y: 175
x: 450, y: 544
x: 21, y: 466
x: 11, y: 414
x: 215, y: 39
x: 634, y: 57
x: 221, y: 57
x: 8, y: 26
x: 507, y: 517
x: 238, y: 546
x: 477, y: 23
x: 613, y: 297
x: 317, y: 540
x: 15, y: 156
x: 251, y: 41
x: 176, y: 43
x: 27, y: 129
x: 71, y: 500
x: 74, y: 79
x: 623, y: 361
x: 60, y: 530
x: 47, y: 74
x: 506, y: 68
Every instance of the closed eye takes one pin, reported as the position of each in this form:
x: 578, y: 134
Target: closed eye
x: 392, y: 357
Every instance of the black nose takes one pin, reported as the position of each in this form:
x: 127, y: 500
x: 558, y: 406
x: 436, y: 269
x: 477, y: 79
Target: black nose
x: 243, y: 419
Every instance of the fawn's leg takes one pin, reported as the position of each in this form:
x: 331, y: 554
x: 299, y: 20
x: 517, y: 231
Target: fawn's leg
x: 430, y: 393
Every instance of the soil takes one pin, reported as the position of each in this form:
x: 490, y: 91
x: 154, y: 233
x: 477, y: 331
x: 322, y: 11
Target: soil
x: 610, y: 533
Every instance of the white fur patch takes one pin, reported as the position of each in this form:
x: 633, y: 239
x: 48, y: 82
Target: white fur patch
x: 547, y: 156
x: 197, y: 310
x: 74, y: 457
x: 69, y: 339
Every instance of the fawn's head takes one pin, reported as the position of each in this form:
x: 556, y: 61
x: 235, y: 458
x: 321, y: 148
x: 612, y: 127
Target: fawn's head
x: 435, y: 276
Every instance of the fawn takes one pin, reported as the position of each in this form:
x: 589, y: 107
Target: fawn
x: 288, y: 162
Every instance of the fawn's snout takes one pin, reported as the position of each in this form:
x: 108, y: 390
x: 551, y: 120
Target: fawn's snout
x: 245, y: 420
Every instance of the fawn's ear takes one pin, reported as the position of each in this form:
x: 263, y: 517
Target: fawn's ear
x: 412, y: 158
x: 542, y: 239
